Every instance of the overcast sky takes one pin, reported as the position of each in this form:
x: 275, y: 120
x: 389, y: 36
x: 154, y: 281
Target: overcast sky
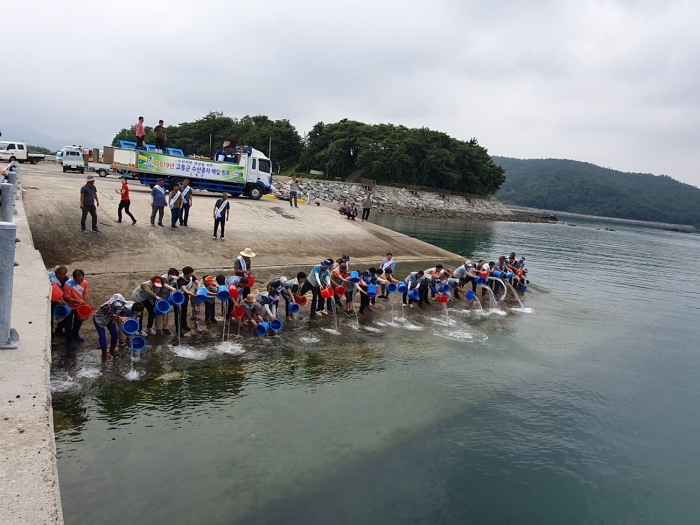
x: 616, y: 83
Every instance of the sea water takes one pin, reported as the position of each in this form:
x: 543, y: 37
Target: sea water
x: 582, y: 408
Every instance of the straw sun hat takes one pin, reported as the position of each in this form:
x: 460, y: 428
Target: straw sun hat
x: 248, y: 253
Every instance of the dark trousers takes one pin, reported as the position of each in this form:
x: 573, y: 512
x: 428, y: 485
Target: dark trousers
x: 160, y: 144
x: 209, y: 311
x: 423, y: 291
x: 293, y: 195
x: 160, y: 210
x: 92, y: 210
x: 181, y: 316
x: 149, y: 305
x: 185, y: 213
x: 316, y: 299
x: 222, y: 222
x: 124, y: 205
x: 70, y: 326
x: 365, y: 213
x: 364, y: 302
x: 139, y: 142
x: 174, y: 216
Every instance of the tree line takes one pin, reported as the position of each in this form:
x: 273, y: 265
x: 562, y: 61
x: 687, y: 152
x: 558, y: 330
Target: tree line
x: 581, y: 187
x: 387, y: 153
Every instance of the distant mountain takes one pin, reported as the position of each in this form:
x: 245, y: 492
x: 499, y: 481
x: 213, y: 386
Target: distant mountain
x: 21, y: 133
x: 581, y: 187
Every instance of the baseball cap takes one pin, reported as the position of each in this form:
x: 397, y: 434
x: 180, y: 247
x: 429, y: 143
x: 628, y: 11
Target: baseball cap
x: 346, y: 257
x: 468, y: 263
x: 157, y: 283
x: 160, y: 180
x: 501, y: 257
x: 512, y: 254
x: 327, y: 263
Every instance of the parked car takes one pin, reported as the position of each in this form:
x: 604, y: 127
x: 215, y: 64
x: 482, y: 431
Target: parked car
x: 72, y: 159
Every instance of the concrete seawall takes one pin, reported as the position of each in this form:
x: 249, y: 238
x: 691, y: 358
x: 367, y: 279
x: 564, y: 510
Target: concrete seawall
x: 29, y: 490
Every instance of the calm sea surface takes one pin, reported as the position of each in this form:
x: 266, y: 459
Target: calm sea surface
x: 582, y: 409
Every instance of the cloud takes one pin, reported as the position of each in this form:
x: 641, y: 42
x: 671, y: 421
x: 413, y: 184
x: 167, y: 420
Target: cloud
x: 610, y: 82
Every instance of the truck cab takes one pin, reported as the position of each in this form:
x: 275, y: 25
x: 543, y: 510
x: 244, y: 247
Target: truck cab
x: 72, y: 159
x: 18, y: 151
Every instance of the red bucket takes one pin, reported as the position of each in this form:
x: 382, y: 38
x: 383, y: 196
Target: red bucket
x: 233, y: 291
x: 300, y: 300
x: 251, y: 281
x: 84, y: 312
x: 340, y: 291
x: 442, y: 298
x: 484, y: 274
x: 327, y: 293
x: 238, y: 312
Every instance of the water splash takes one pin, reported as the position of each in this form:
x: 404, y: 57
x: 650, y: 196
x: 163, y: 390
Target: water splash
x: 134, y: 375
x: 505, y: 290
x: 309, y: 340
x: 373, y: 329
x: 88, y: 373
x: 189, y: 352
x: 332, y: 331
x: 63, y: 384
x: 524, y: 310
x: 461, y: 336
x: 227, y: 347
x: 515, y: 294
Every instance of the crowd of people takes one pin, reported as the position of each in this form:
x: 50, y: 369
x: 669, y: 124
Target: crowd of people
x: 179, y: 200
x: 330, y: 282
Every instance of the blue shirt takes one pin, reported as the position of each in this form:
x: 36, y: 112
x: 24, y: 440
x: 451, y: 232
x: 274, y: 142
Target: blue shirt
x: 158, y: 195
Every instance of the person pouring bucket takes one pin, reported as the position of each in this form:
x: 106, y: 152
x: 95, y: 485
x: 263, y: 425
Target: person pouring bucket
x: 107, y: 316
x: 242, y: 268
x: 320, y: 277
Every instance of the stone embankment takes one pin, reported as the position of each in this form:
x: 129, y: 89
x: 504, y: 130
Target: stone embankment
x: 403, y: 203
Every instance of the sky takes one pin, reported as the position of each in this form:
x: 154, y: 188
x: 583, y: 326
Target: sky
x: 615, y: 83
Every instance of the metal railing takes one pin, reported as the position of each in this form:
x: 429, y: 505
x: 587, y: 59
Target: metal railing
x: 9, y: 338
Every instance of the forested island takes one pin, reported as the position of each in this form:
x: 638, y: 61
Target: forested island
x: 581, y: 187
x: 389, y: 154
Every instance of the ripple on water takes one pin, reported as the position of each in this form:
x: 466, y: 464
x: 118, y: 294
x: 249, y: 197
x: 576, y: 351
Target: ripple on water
x: 230, y: 348
x: 309, y: 340
x: 189, y: 352
x: 88, y: 373
x: 373, y: 329
x: 332, y: 331
x: 462, y: 335
x: 443, y: 321
x: 63, y: 384
x: 526, y: 310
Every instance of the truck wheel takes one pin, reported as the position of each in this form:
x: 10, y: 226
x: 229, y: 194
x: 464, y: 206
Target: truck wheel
x: 82, y: 170
x: 176, y: 181
x: 255, y: 192
x: 32, y: 161
x: 64, y: 169
x: 12, y: 159
x: 102, y: 173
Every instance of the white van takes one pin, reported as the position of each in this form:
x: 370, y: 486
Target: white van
x: 72, y: 159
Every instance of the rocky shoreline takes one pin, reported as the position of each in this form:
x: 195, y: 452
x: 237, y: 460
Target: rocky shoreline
x: 400, y: 202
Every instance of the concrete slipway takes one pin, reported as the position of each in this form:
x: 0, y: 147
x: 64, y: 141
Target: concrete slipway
x: 116, y: 259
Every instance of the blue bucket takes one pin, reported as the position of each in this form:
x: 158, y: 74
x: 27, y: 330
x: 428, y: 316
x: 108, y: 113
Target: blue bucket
x: 470, y: 295
x: 496, y: 273
x: 222, y: 294
x: 524, y: 288
x: 372, y: 290
x: 177, y: 298
x: 509, y: 275
x: 391, y: 287
x: 61, y: 311
x: 130, y: 326
x: 413, y: 294
x: 354, y: 277
x: 162, y: 307
x: 202, y: 295
x: 480, y: 280
x: 138, y: 343
x: 262, y: 329
x: 294, y: 308
x: 276, y: 325
x: 445, y: 288
x: 403, y: 287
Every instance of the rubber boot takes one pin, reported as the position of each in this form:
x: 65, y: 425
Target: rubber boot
x: 105, y: 355
x: 113, y: 350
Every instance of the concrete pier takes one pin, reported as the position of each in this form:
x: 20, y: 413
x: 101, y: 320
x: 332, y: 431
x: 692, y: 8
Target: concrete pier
x: 29, y: 490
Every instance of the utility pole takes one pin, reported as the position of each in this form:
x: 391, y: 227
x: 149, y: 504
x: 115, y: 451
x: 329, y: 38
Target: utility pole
x: 269, y: 150
x: 209, y: 145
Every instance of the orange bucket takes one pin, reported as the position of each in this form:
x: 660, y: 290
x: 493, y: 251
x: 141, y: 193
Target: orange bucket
x: 84, y: 312
x: 56, y: 292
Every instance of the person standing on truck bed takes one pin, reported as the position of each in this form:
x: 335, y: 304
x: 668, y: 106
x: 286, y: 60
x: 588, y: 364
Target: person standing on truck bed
x: 88, y: 203
x: 140, y: 134
x: 157, y: 202
x: 186, y: 202
x: 160, y: 135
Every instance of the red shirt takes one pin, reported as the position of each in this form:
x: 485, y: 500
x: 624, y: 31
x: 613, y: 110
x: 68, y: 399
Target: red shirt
x: 125, y: 189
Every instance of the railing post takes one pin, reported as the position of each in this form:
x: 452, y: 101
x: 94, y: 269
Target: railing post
x: 9, y: 338
x: 7, y: 202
